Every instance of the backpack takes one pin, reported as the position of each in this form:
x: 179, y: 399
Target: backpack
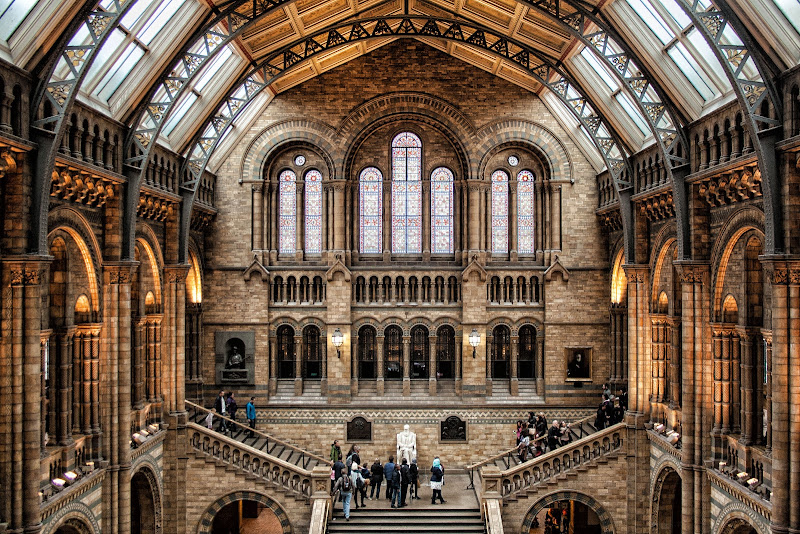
x: 347, y: 484
x: 360, y: 482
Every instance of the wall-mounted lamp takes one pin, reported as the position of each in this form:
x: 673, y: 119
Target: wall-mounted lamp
x: 474, y: 340
x: 337, y: 339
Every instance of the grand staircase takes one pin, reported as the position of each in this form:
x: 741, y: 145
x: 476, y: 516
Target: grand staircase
x: 408, y: 521
x: 262, y: 458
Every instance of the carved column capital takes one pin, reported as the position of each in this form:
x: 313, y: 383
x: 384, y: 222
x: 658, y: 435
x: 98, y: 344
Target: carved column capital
x: 176, y: 274
x: 693, y: 272
x: 120, y: 272
x: 636, y: 274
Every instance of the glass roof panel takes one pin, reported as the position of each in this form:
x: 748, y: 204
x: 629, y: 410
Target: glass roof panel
x: 683, y: 59
x: 179, y: 113
x: 158, y: 20
x: 790, y: 10
x: 653, y: 20
x: 600, y: 69
x: 633, y: 112
x: 12, y: 13
x: 122, y: 67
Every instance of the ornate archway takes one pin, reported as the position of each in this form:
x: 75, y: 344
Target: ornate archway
x: 207, y: 519
x: 146, y: 509
x: 606, y: 522
x: 666, y: 502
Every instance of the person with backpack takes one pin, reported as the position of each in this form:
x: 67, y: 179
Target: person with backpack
x: 344, y: 485
x: 375, y: 480
x: 437, y: 477
x: 358, y: 483
x: 414, y: 472
x: 336, y: 451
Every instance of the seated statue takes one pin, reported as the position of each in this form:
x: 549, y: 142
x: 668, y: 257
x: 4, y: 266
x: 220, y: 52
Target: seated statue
x: 406, y: 445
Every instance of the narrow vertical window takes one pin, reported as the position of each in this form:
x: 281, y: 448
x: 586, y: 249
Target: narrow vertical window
x: 442, y: 211
x: 499, y: 212
x: 370, y: 189
x: 406, y: 194
x: 287, y: 212
x: 525, y: 220
x: 313, y: 212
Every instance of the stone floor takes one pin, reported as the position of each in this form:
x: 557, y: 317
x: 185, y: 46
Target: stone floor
x: 454, y: 491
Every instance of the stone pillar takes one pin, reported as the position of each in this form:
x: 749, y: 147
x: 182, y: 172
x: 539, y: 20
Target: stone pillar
x: 514, y: 382
x: 387, y: 219
x: 21, y: 370
x: 65, y: 388
x: 474, y: 227
x: 675, y: 366
x: 639, y: 324
x: 734, y: 388
x: 747, y: 395
x: 512, y: 223
x: 426, y: 219
x: 273, y: 222
x: 459, y: 357
x: 458, y: 225
x: 432, y: 372
x: 272, y: 385
x: 299, y: 221
x: 298, y: 365
x: 406, y: 366
x: 540, y: 366
x: 115, y: 397
x: 379, y: 341
x: 356, y: 220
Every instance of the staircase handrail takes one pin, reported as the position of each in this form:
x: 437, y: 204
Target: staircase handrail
x: 521, y: 477
x: 253, y: 461
x: 514, y: 450
x: 304, y: 454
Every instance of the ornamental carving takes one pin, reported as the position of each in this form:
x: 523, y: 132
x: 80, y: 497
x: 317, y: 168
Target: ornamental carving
x: 737, y: 186
x: 176, y: 276
x: 119, y: 276
x: 794, y: 277
x: 691, y: 277
x: 151, y: 207
x: 659, y: 207
x: 453, y: 429
x: 26, y: 277
x: 780, y: 276
x: 359, y: 429
x: 80, y: 187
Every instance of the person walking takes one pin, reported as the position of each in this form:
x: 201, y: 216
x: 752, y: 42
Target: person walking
x: 232, y: 408
x: 553, y: 434
x: 395, y: 486
x: 388, y: 472
x: 358, y: 483
x: 375, y: 480
x: 338, y: 471
x: 437, y: 474
x: 250, y: 411
x: 405, y: 481
x: 221, y: 407
x: 413, y: 470
x: 345, y: 487
x: 336, y: 451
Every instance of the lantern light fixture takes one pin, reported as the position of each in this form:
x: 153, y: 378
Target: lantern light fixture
x: 337, y: 338
x: 474, y: 340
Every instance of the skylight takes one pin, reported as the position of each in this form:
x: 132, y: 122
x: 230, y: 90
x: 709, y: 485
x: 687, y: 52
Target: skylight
x: 12, y: 14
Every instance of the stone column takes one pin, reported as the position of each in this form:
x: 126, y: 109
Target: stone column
x: 298, y: 365
x: 387, y: 219
x: 426, y: 219
x: 474, y: 226
x: 325, y: 206
x: 21, y: 371
x: 406, y: 366
x: 514, y: 382
x: 639, y: 383
x: 734, y: 366
x: 747, y: 385
x: 540, y: 367
x: 457, y: 223
x: 115, y: 397
x: 272, y: 385
x: 273, y: 222
x: 356, y: 219
x: 379, y: 341
x: 459, y: 351
x: 675, y: 366
x: 432, y: 370
x: 556, y: 215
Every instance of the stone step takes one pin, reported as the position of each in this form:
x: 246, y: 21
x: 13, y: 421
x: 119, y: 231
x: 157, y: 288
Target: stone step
x: 408, y: 520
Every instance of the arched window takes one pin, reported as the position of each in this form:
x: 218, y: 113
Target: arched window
x: 445, y: 353
x: 313, y: 212
x: 406, y: 194
x: 442, y: 211
x: 370, y: 190
x: 526, y: 363
x: 285, y: 352
x: 312, y: 354
x: 525, y: 222
x: 367, y: 348
x: 499, y: 212
x: 420, y: 352
x: 393, y: 353
x: 501, y: 350
x: 287, y: 212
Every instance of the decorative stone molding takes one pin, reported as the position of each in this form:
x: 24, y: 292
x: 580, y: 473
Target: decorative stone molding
x: 606, y: 521
x: 207, y: 519
x: 154, y: 208
x: 26, y: 277
x: 256, y: 267
x: 556, y: 267
x: 73, y: 185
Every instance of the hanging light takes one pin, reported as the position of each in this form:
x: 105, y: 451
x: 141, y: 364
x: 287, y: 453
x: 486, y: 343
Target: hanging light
x: 474, y: 340
x: 337, y: 338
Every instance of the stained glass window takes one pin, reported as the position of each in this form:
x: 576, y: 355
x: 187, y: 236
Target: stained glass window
x: 525, y: 209
x: 370, y: 190
x: 499, y: 212
x: 406, y: 194
x: 313, y: 212
x: 442, y: 211
x: 287, y: 212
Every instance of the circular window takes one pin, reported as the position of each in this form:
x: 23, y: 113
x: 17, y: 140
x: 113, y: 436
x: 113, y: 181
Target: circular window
x: 300, y: 160
x: 513, y: 161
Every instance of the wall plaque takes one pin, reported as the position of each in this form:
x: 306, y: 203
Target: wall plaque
x: 235, y: 357
x: 453, y: 429
x: 359, y: 429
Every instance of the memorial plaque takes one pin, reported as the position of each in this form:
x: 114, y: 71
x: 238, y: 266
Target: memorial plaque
x: 453, y: 429
x: 235, y: 357
x: 359, y: 429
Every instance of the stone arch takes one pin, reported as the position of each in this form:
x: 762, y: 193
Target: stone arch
x: 424, y: 321
x: 738, y: 224
x: 310, y: 133
x: 310, y: 321
x: 606, y: 521
x: 280, y: 321
x: 365, y: 321
x: 155, y: 267
x: 452, y: 322
x: 148, y: 472
x: 659, y: 259
x: 735, y: 516
x: 497, y: 321
x: 667, y: 481
x: 397, y: 321
x: 77, y: 517
x: 619, y: 280
x: 538, y: 327
x: 77, y: 227
x: 527, y: 134
x: 194, y: 278
x: 351, y: 146
x: 207, y: 519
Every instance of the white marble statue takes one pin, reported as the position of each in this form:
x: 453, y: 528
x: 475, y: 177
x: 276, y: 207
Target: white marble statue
x: 406, y: 445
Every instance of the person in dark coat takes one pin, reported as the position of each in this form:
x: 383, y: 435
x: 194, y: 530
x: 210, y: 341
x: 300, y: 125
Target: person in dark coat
x: 388, y: 471
x: 437, y: 474
x: 395, y: 486
x: 553, y: 433
x: 405, y: 481
x: 375, y: 480
x: 338, y: 470
x: 413, y: 470
x: 221, y: 408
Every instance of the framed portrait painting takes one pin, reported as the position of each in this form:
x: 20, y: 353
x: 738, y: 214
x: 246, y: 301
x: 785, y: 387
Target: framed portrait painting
x: 579, y: 364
